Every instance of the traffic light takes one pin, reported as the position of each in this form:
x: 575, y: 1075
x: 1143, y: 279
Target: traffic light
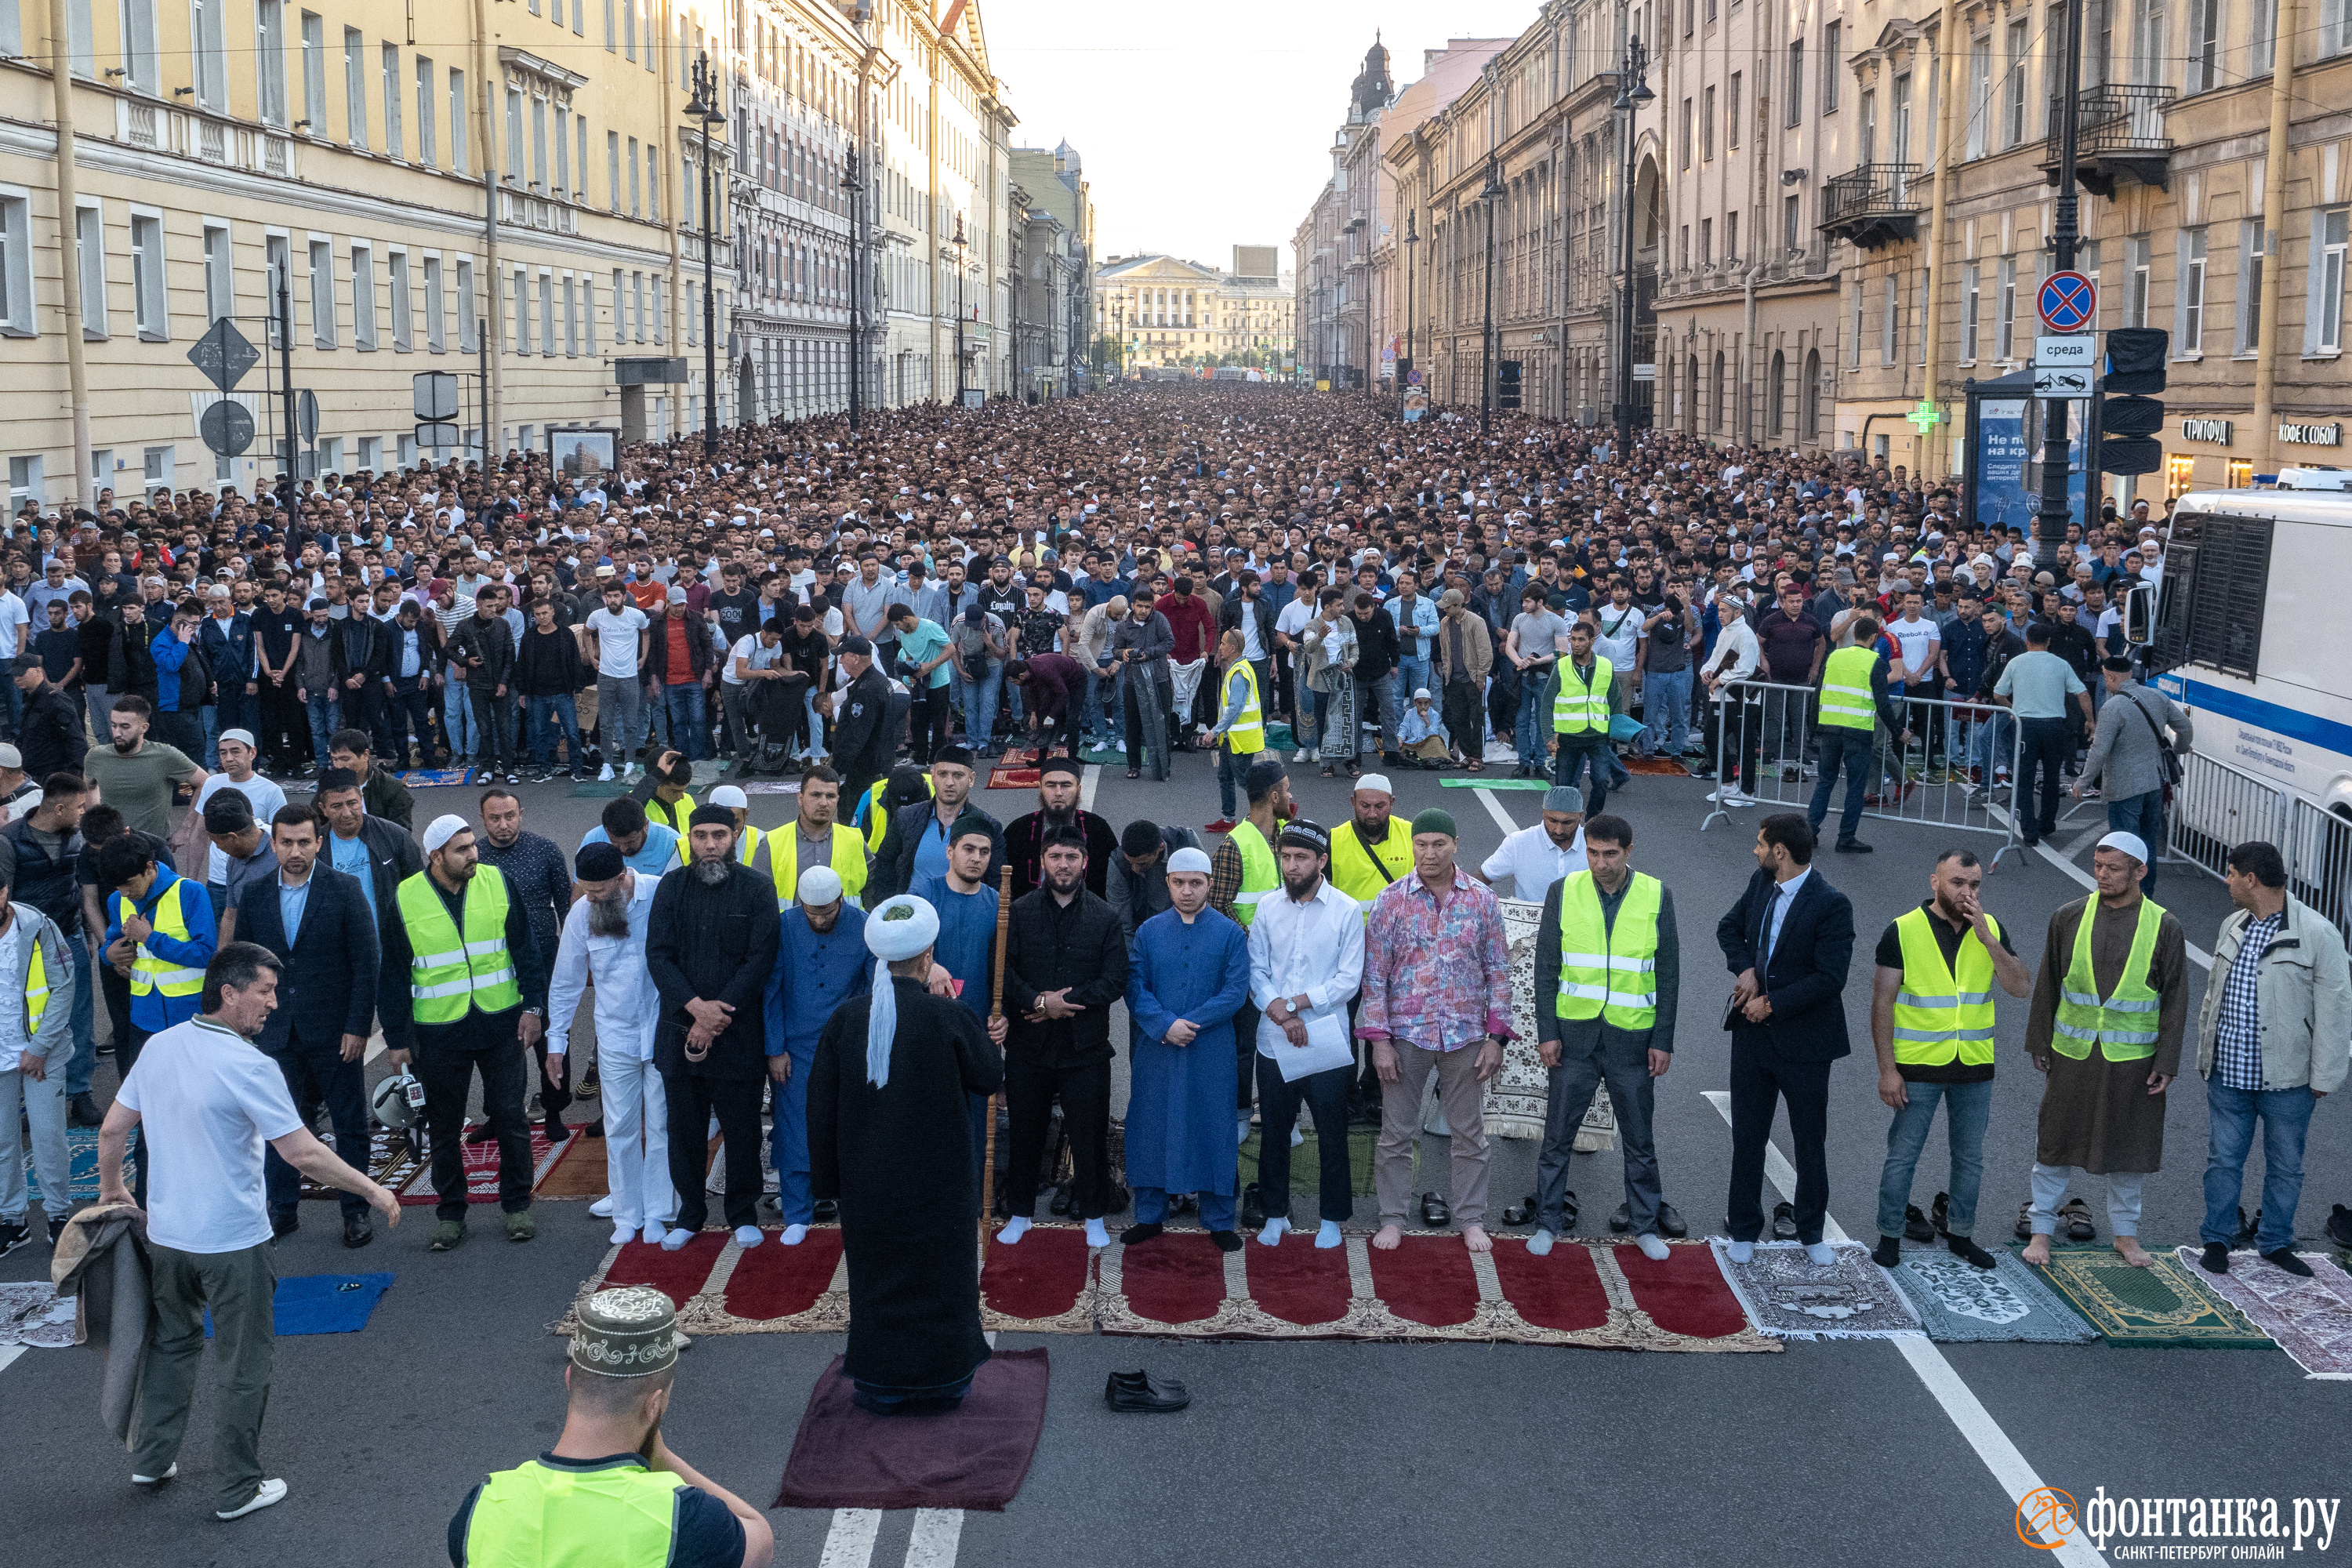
x: 1507, y: 392
x: 2128, y: 421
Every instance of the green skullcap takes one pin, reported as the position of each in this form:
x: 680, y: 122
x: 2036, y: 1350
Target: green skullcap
x: 1434, y: 821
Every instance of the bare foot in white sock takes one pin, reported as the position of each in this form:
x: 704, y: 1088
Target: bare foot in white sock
x: 793, y: 1235
x: 1540, y: 1242
x: 1652, y: 1247
x: 674, y: 1238
x: 622, y: 1233
x: 1327, y: 1235
x: 1274, y: 1232
x: 1014, y: 1229
x: 1820, y: 1254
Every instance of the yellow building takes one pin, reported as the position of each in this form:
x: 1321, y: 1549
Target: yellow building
x: 1165, y: 310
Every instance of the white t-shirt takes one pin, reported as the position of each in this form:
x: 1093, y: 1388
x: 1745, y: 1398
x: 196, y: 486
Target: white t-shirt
x: 754, y: 656
x: 209, y: 1101
x: 13, y: 616
x: 1534, y: 862
x: 616, y: 640
x: 267, y: 800
x: 1918, y: 639
x: 1617, y: 637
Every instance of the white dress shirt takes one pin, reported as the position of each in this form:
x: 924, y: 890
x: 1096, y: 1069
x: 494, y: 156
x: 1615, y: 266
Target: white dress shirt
x: 1783, y: 896
x: 1533, y: 862
x: 626, y: 1004
x: 1314, y: 950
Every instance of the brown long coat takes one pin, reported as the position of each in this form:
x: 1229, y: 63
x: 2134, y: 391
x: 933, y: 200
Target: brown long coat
x: 2095, y: 1113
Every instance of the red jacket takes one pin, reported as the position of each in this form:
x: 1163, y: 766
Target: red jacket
x: 1188, y: 617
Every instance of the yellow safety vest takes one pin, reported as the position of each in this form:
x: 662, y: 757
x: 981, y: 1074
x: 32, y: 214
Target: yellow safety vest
x: 449, y: 975
x: 1845, y: 689
x: 1942, y: 1014
x: 877, y: 821
x: 150, y: 973
x: 1248, y: 733
x: 1610, y: 971
x: 746, y: 844
x: 1261, y: 873
x: 2124, y: 1026
x: 674, y: 817
x: 1361, y: 873
x: 1582, y: 706
x: 37, y: 989
x: 536, y: 1515
x: 784, y: 862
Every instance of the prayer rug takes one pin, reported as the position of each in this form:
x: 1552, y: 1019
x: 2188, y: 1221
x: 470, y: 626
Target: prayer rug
x: 322, y: 1303
x: 974, y: 1456
x: 388, y: 1161
x: 33, y: 1315
x: 433, y: 778
x: 1666, y: 767
x: 578, y: 1171
x: 82, y: 1170
x: 771, y: 786
x: 1789, y: 1296
x: 482, y: 1168
x: 2310, y: 1319
x: 1103, y: 756
x: 1959, y: 1303
x: 2162, y: 1305
x: 1491, y: 781
x: 1516, y: 1096
x: 1011, y: 778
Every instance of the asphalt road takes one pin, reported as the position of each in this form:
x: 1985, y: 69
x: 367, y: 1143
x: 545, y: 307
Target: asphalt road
x: 1833, y: 1453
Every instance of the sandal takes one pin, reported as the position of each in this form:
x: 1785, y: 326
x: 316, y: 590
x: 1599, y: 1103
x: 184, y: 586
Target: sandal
x: 2076, y: 1214
x: 1328, y: 771
x: 2025, y: 1221
x: 1135, y: 772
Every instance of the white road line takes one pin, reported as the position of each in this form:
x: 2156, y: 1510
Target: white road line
x: 936, y: 1532
x: 9, y: 1353
x: 850, y: 1542
x: 1495, y: 809
x: 1960, y: 1404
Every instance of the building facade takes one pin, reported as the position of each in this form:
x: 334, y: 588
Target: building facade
x: 1053, y: 301
x: 1166, y: 311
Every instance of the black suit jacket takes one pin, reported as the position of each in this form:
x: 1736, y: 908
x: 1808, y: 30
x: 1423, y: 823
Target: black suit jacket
x: 327, y: 987
x: 1806, y: 977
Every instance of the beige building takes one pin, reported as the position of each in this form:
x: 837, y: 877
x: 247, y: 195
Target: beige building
x: 1053, y: 268
x: 1167, y: 311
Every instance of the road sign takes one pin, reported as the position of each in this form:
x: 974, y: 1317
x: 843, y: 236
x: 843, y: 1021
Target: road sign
x: 2073, y: 386
x: 2068, y: 303
x: 224, y: 354
x: 434, y: 394
x: 2076, y: 353
x: 227, y: 427
x: 436, y: 436
x: 306, y: 417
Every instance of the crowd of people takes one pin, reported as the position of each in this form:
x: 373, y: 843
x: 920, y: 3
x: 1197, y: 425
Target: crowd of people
x: 1285, y: 580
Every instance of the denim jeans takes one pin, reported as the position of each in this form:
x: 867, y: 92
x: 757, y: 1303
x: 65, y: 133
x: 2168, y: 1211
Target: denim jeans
x: 683, y: 706
x: 1852, y: 750
x: 1968, y: 1107
x: 979, y: 700
x: 814, y: 744
x: 1575, y: 753
x: 2143, y: 815
x: 326, y: 711
x: 1412, y: 675
x: 2286, y: 1117
x: 1993, y: 744
x: 1233, y: 769
x: 457, y: 717
x: 83, y: 1063
x: 1666, y: 707
x: 547, y: 713
x: 1532, y: 728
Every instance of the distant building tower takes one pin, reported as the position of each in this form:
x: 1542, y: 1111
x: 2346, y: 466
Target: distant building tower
x: 1372, y: 87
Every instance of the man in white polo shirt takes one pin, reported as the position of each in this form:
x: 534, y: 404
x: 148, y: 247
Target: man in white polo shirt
x: 1535, y: 858
x: 209, y: 1101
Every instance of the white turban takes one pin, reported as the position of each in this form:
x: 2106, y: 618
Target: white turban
x: 820, y: 885
x: 901, y: 928
x: 442, y: 829
x: 2130, y: 844
x: 1189, y: 859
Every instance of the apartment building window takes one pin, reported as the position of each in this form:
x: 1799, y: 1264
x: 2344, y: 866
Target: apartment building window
x: 620, y: 307
x: 277, y: 277
x: 2005, y: 318
x: 1980, y: 91
x: 355, y: 122
x: 636, y: 207
x: 1682, y: 247
x: 436, y: 326
x: 468, y: 338
x: 1707, y: 242
x: 220, y: 282
x: 522, y: 312
x: 588, y: 309
x: 1869, y: 132
x: 571, y: 317
x: 1971, y: 309
x: 2325, y: 309
x: 147, y: 274
x: 1853, y: 337
x: 2013, y: 95
x: 580, y: 169
x: 629, y: 30
x: 613, y: 166
x: 428, y: 138
x: 2253, y: 253
x: 363, y: 298
x: 1686, y: 159
x: 539, y: 144
x: 322, y: 295
x: 395, y: 142
x: 693, y: 315
x: 457, y: 120
x: 1731, y: 235
x: 2189, y: 308
x: 2135, y: 254
x: 269, y: 55
x: 1890, y: 329
x: 514, y: 135
x: 2264, y: 50
x: 16, y: 318
x: 653, y: 183
x: 637, y: 294
x: 2204, y: 44
x: 404, y: 310
x: 1707, y: 126
x: 563, y: 152
x: 209, y: 28
x: 1796, y: 98
x: 141, y: 62
x: 2149, y: 40
x: 314, y: 73
x: 661, y: 311
x: 1731, y: 113
x: 1830, y: 49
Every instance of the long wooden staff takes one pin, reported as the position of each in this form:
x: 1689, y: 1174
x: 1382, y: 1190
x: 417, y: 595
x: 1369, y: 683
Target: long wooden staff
x: 995, y: 1011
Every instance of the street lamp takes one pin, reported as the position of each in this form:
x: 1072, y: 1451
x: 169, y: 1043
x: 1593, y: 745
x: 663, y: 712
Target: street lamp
x: 1411, y: 240
x: 959, y: 243
x: 1631, y: 99
x: 703, y: 107
x: 855, y: 188
x: 1493, y: 193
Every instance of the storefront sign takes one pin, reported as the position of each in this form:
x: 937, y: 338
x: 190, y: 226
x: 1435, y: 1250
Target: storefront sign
x: 2311, y: 435
x: 2216, y: 431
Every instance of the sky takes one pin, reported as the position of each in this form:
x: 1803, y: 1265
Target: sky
x: 1208, y: 125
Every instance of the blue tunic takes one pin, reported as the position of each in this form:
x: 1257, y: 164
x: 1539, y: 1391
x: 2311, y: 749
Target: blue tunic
x: 1180, y: 1107
x: 816, y: 973
x: 966, y: 947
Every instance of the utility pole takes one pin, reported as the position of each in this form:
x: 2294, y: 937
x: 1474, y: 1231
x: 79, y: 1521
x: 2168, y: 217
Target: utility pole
x: 2050, y: 523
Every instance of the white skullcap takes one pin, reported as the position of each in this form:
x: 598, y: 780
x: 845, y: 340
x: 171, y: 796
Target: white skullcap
x: 902, y: 928
x: 2130, y: 844
x: 730, y: 795
x: 1189, y: 859
x: 242, y: 737
x: 820, y: 885
x: 1371, y: 782
x: 442, y: 829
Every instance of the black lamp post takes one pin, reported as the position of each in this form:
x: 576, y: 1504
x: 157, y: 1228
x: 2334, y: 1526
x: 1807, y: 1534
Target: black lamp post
x: 1631, y: 96
x: 959, y: 243
x: 855, y: 188
x: 1492, y: 193
x: 1411, y: 240
x: 703, y: 107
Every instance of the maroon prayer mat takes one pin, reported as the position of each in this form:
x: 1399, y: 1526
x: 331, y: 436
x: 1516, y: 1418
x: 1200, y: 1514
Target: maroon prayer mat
x: 974, y: 1456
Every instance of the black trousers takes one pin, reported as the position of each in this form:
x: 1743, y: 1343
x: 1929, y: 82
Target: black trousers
x: 1732, y: 740
x: 285, y: 726
x: 1030, y: 1091
x: 554, y: 1099
x: 736, y: 1102
x: 1245, y: 1053
x: 927, y: 716
x: 314, y: 1073
x: 2041, y: 750
x: 1278, y: 1100
x: 1761, y: 1078
x: 448, y: 1072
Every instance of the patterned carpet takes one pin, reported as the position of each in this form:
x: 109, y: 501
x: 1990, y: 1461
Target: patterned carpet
x: 1959, y: 1303
x: 1789, y: 1296
x: 2162, y: 1305
x: 2311, y: 1319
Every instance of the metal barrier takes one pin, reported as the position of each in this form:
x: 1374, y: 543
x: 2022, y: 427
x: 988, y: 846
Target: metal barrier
x: 2318, y: 853
x: 2216, y: 807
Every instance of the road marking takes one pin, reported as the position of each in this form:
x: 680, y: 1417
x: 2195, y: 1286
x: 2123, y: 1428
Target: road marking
x: 850, y: 1542
x: 1960, y: 1404
x: 2197, y: 955
x: 936, y: 1532
x: 9, y: 1353
x: 1495, y: 809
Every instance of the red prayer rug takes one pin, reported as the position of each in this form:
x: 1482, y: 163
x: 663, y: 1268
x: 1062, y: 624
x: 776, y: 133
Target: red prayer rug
x: 973, y: 1456
x: 1012, y: 778
x: 482, y: 1168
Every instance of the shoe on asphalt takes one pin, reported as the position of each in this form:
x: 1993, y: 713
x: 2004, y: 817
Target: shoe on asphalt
x: 1853, y: 847
x: 56, y: 1229
x: 1622, y: 1220
x: 83, y: 1111
x: 1784, y: 1222
x: 513, y: 777
x: 2215, y: 1259
x: 1141, y: 1393
x: 541, y: 775
x: 357, y: 1231
x: 520, y: 1226
x: 588, y: 1085
x: 448, y: 1236
x: 1670, y: 1221
x: 1223, y: 825
x: 605, y: 774
x: 156, y: 1480
x: 272, y: 1492
x: 13, y: 1237
x: 480, y: 1134
x: 1915, y: 1225
x: 286, y: 1222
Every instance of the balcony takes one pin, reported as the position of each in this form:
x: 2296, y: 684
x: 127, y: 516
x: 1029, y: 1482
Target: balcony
x: 2119, y: 139
x: 1873, y: 205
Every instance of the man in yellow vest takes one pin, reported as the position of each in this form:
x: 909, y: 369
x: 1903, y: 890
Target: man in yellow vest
x: 1608, y: 977
x: 1240, y: 732
x: 1375, y: 848
x: 2110, y: 1007
x: 669, y: 800
x: 1853, y: 696
x: 160, y: 934
x: 610, y: 1490
x: 1585, y: 701
x: 1242, y: 871
x: 1931, y: 1017
x: 814, y: 838
x: 476, y: 984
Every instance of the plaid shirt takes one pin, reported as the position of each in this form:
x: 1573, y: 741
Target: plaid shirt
x: 1437, y: 976
x: 2237, y: 1058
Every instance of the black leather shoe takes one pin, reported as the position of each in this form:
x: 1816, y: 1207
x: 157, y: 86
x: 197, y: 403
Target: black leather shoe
x: 1670, y: 1221
x: 2247, y: 1228
x: 1915, y: 1225
x: 1939, y: 1214
x: 1520, y: 1213
x: 1784, y: 1222
x: 556, y: 1129
x: 285, y: 1223
x: 1435, y: 1212
x: 1854, y: 847
x: 1144, y: 1395
x: 480, y: 1134
x: 357, y: 1231
x: 1622, y: 1220
x: 828, y: 1211
x: 1254, y: 1207
x: 2339, y: 1225
x: 2215, y: 1258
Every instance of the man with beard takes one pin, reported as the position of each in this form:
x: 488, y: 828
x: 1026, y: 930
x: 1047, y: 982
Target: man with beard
x: 712, y: 942
x: 604, y: 946
x: 819, y: 965
x: 1535, y: 858
x: 536, y: 879
x: 1065, y: 964
x: 463, y: 982
x: 890, y: 1140
x: 1057, y: 808
x: 139, y: 773
x: 1305, y: 962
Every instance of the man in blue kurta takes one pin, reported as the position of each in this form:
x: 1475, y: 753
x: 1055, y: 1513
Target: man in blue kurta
x: 1187, y: 976
x: 819, y: 965
x: 964, y: 959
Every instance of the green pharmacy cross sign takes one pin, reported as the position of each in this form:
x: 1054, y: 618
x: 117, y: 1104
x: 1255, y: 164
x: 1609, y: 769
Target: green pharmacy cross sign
x: 1924, y: 417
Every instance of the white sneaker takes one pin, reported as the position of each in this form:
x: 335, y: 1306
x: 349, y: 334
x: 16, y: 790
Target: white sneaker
x: 604, y: 776
x: 156, y: 1480
x: 603, y: 1207
x: 1736, y: 797
x: 272, y: 1492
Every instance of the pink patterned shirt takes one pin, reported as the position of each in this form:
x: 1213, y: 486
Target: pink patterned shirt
x: 1437, y: 976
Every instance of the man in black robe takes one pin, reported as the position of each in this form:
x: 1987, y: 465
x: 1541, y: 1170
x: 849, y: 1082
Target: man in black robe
x: 890, y: 1139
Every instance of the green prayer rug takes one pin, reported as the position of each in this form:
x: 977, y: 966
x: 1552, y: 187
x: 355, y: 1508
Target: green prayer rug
x: 1306, y: 1161
x: 1480, y: 781
x: 2161, y: 1306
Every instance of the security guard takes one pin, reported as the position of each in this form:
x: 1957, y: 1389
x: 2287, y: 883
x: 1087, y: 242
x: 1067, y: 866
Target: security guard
x: 820, y: 801
x: 1853, y: 697
x: 1580, y: 717
x: 1240, y: 732
x: 1375, y: 849
x: 1931, y: 1018
x: 160, y: 935
x: 874, y: 806
x: 476, y: 984
x: 1245, y: 863
x: 611, y: 1491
